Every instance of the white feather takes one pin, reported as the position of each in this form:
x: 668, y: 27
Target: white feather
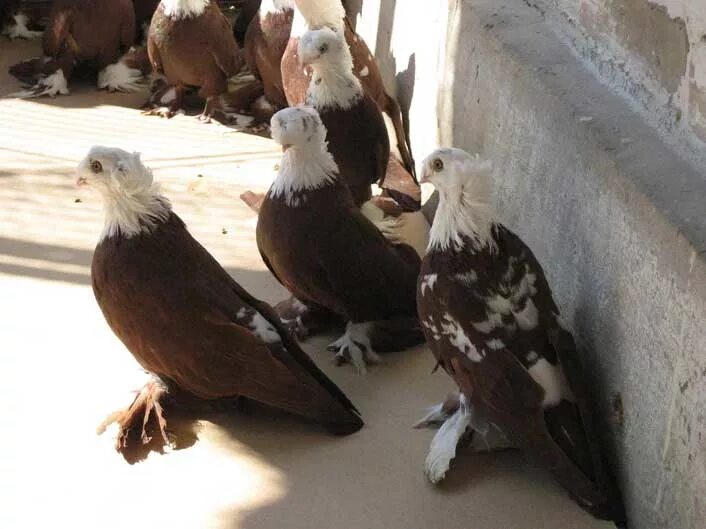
x: 443, y: 445
x: 306, y: 164
x: 333, y: 84
x: 553, y: 381
x: 319, y: 13
x: 18, y: 28
x: 184, y: 8
x: 275, y: 6
x: 132, y: 200
x: 464, y: 200
x: 119, y: 77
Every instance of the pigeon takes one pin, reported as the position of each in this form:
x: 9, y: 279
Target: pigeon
x: 201, y: 336
x: 319, y: 245
x: 489, y: 317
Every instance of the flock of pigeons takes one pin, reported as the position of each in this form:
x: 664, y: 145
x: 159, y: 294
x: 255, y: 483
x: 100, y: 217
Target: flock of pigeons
x: 467, y: 285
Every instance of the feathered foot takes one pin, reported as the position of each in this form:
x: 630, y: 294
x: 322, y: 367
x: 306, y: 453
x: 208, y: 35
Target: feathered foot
x: 452, y: 431
x: 120, y: 77
x: 439, y: 413
x: 51, y: 85
x: 142, y: 426
x: 355, y: 347
x: 165, y: 101
x: 18, y: 28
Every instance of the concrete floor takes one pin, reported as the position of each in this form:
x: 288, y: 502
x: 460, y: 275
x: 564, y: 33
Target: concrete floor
x: 63, y: 370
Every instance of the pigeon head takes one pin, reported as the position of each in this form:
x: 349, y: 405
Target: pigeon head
x: 465, y: 211
x: 306, y: 164
x: 454, y: 172
x: 298, y: 127
x: 114, y: 171
x: 325, y: 48
x: 132, y: 199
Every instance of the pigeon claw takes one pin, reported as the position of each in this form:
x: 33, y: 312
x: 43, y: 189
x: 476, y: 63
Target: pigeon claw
x: 354, y: 347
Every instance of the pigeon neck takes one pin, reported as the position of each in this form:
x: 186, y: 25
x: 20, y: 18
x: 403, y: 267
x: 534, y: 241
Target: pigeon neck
x: 129, y: 214
x: 184, y: 8
x: 303, y: 168
x: 334, y: 87
x: 462, y: 216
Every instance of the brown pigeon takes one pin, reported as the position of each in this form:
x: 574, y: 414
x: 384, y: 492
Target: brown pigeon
x: 191, y: 43
x: 319, y: 245
x: 315, y: 14
x: 185, y: 320
x: 265, y: 41
x: 490, y: 320
x: 95, y: 33
x: 356, y: 132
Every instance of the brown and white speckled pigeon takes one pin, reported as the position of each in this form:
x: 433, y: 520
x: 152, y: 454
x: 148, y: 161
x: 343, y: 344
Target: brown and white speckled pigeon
x: 489, y: 317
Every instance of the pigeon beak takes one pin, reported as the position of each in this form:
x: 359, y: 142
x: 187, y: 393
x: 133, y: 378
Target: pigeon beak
x: 82, y: 181
x: 426, y: 177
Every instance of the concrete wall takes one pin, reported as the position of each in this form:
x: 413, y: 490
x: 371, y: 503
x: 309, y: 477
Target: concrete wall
x: 655, y: 51
x: 611, y: 198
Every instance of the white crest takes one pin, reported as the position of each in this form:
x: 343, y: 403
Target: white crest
x: 133, y: 202
x: 320, y: 13
x: 464, y: 187
x: 306, y: 164
x: 333, y: 84
x: 184, y: 8
x: 275, y: 6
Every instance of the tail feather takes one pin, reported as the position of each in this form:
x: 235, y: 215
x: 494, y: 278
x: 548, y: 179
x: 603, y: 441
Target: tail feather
x: 587, y: 454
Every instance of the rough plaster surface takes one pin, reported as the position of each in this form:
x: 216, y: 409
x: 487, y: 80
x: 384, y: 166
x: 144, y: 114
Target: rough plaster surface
x: 591, y: 173
x: 654, y: 51
x: 618, y: 220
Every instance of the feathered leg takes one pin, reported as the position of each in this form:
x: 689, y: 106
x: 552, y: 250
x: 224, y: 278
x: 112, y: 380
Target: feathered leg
x: 355, y: 347
x: 305, y: 319
x: 142, y: 426
x: 166, y: 101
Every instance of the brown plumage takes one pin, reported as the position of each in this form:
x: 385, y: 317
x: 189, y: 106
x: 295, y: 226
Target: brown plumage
x: 318, y: 244
x: 365, y: 67
x: 491, y: 322
x: 352, y: 132
x: 265, y: 41
x: 97, y: 32
x: 188, y: 322
x: 248, y: 10
x: 193, y: 49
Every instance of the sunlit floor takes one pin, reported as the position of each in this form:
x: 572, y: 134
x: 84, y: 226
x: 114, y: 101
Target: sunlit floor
x: 62, y: 370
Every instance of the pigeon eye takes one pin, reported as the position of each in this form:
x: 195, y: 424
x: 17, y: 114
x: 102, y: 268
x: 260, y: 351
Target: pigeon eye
x: 96, y: 166
x: 323, y: 48
x: 438, y: 165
